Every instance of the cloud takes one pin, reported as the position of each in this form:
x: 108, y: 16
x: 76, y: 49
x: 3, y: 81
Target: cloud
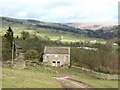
x: 61, y: 10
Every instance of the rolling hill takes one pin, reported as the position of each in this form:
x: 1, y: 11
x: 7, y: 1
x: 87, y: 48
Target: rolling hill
x: 55, y: 30
x: 94, y: 25
x: 51, y: 30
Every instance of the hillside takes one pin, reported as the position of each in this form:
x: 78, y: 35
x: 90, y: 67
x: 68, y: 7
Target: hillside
x: 46, y: 77
x: 94, y: 25
x: 35, y: 24
x: 33, y: 50
x: 105, y: 30
x: 69, y: 31
x: 40, y: 28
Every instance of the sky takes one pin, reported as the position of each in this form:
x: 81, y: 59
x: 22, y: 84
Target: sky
x: 63, y: 11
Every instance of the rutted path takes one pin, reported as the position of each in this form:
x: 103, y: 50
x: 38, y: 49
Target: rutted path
x: 67, y: 82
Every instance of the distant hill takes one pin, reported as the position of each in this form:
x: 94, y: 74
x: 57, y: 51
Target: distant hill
x: 35, y: 24
x: 93, y: 30
x: 94, y: 25
x: 105, y: 30
x: 44, y: 29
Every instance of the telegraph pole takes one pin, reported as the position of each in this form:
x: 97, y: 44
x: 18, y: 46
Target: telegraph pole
x: 12, y: 53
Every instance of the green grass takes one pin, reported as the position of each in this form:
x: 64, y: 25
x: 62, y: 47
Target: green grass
x: 88, y: 79
x: 28, y: 78
x: 39, y: 77
x: 98, y: 83
x: 53, y: 34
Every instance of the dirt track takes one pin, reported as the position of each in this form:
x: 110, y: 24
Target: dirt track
x: 67, y: 82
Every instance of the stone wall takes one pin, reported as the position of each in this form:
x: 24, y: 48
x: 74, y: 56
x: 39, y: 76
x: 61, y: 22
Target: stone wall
x: 98, y: 74
x: 19, y: 64
x: 63, y: 58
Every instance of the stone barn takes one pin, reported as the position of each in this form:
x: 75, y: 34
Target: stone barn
x: 57, y: 56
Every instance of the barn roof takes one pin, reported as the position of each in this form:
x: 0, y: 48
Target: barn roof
x: 57, y: 50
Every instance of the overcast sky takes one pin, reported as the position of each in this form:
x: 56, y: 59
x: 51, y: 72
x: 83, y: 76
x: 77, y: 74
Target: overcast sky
x: 61, y: 10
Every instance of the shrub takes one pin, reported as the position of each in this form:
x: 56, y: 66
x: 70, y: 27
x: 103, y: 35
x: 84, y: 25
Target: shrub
x: 104, y: 70
x: 31, y: 54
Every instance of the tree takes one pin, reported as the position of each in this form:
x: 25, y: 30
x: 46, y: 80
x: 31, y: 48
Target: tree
x: 6, y: 50
x: 9, y: 36
x: 31, y: 55
x: 17, y: 37
x: 105, y: 53
x: 60, y: 39
x: 7, y: 44
x: 25, y: 35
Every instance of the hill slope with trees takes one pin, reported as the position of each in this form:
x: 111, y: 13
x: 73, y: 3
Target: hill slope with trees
x: 30, y: 24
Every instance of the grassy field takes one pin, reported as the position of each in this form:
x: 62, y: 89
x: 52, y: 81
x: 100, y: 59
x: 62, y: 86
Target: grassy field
x: 54, y: 35
x: 97, y: 83
x: 42, y: 77
x: 89, y: 79
x: 28, y: 78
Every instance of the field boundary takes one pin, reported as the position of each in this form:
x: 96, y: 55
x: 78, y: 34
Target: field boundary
x: 98, y: 74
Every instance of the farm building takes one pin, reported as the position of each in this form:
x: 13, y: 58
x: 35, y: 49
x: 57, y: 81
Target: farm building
x: 19, y: 54
x: 57, y: 56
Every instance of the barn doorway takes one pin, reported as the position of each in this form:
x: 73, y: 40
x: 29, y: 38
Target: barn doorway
x: 54, y: 63
x: 58, y: 63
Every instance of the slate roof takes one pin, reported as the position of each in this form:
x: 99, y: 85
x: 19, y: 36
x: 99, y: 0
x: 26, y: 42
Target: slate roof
x: 57, y: 50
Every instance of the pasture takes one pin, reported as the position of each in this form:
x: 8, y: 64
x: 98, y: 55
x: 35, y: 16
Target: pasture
x: 28, y: 78
x: 54, y: 34
x: 42, y: 77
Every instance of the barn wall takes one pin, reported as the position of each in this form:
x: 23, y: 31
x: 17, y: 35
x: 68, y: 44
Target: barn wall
x: 63, y: 58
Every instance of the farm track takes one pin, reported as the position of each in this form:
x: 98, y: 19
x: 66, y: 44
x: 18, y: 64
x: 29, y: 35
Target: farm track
x: 70, y: 84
